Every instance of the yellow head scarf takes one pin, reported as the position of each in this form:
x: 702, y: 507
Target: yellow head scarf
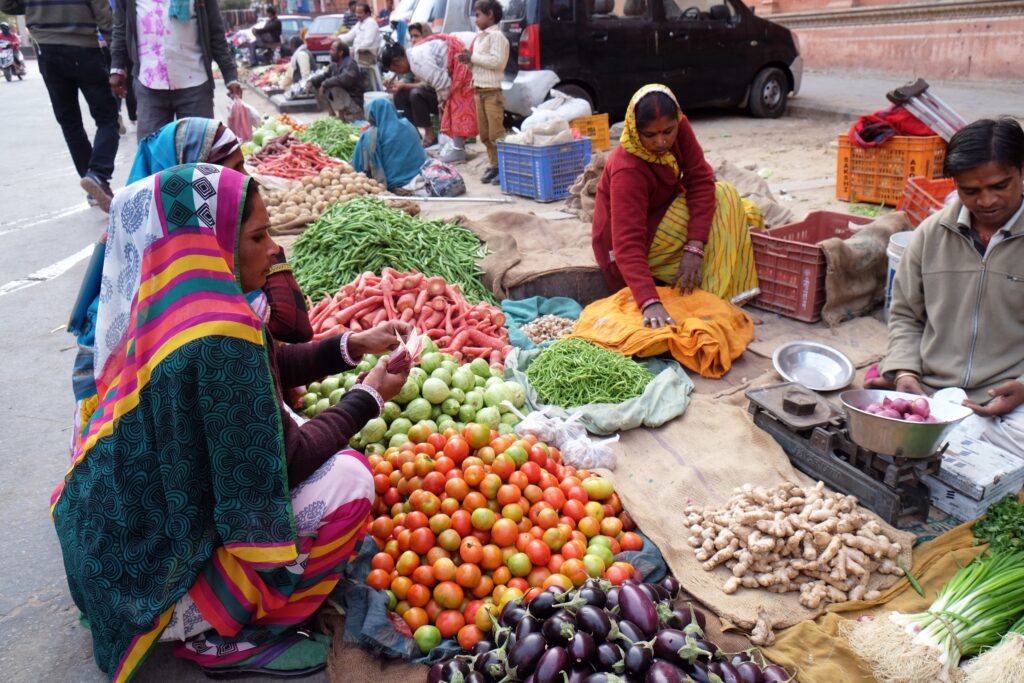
x: 630, y: 138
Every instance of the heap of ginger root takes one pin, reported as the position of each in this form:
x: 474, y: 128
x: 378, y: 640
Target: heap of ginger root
x: 787, y: 538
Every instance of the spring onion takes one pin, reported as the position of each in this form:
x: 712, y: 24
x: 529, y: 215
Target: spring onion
x: 574, y: 372
x: 1004, y: 662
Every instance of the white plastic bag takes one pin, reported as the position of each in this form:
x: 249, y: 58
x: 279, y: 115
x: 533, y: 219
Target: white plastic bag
x: 585, y: 454
x: 568, y: 108
x: 567, y: 435
x: 542, y: 118
x: 242, y: 119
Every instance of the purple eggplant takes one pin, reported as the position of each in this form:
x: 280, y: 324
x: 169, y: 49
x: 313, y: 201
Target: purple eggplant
x: 559, y: 629
x: 664, y: 672
x: 523, y: 657
x: 593, y: 595
x: 552, y: 665
x: 454, y: 668
x: 582, y: 648
x: 434, y: 675
x: 730, y: 674
x: 631, y: 631
x: 670, y: 584
x: 612, y: 597
x: 475, y: 677
x: 511, y: 614
x: 491, y: 665
x: 543, y: 606
x: 526, y: 626
x: 579, y: 673
x: 750, y: 672
x: 679, y: 648
x: 637, y: 607
x: 739, y: 658
x: 638, y: 659
x: 595, y: 621
x: 608, y: 655
x: 483, y: 646
x: 715, y: 668
x: 699, y: 672
x: 773, y: 673
x: 602, y: 677
x: 689, y: 615
x: 655, y: 592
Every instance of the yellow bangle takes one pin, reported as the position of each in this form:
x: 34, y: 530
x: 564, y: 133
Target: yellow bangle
x: 280, y: 268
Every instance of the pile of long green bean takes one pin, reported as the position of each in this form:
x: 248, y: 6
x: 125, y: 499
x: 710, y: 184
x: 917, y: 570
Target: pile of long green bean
x: 335, y: 137
x: 574, y: 372
x: 367, y: 235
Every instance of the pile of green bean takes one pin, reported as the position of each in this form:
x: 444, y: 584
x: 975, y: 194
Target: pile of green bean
x: 574, y: 372
x: 335, y: 137
x: 367, y: 235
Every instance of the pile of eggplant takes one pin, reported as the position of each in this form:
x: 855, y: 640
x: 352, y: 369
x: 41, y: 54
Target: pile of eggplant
x: 599, y: 633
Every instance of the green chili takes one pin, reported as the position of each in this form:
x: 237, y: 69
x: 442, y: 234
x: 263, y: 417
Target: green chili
x: 574, y: 372
x: 334, y: 136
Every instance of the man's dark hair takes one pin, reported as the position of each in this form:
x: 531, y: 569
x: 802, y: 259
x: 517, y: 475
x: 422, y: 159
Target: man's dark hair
x: 976, y: 144
x: 653, y: 106
x: 390, y: 54
x: 492, y: 7
x: 295, y: 42
x: 366, y: 8
x: 271, y: 11
x: 342, y: 48
x: 352, y: 4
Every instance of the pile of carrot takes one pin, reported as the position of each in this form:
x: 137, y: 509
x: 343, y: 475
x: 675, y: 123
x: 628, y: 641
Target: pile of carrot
x: 434, y: 307
x: 300, y: 160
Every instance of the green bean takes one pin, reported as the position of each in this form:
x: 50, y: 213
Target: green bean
x: 574, y: 372
x: 337, y: 138
x: 367, y: 235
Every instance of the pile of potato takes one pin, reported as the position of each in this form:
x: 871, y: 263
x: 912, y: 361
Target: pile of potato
x: 310, y: 196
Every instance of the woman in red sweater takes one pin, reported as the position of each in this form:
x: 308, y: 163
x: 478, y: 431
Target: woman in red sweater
x: 661, y: 217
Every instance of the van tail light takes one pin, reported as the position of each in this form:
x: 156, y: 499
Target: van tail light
x: 437, y: 25
x: 529, y: 48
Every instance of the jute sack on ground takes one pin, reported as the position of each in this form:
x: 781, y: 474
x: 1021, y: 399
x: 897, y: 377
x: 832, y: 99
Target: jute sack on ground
x: 583, y: 192
x: 753, y: 187
x: 858, y: 269
x: 699, y: 459
x: 522, y: 247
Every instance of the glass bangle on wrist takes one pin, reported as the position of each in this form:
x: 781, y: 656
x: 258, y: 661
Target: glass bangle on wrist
x: 901, y: 375
x: 693, y: 250
x: 345, y: 355
x: 373, y: 394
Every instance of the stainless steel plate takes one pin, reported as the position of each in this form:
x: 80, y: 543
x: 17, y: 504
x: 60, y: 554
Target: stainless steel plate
x: 816, y: 366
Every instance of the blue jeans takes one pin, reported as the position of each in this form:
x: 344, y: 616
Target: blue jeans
x: 66, y: 70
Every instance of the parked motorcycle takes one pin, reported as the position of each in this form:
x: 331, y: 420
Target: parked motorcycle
x: 7, y: 63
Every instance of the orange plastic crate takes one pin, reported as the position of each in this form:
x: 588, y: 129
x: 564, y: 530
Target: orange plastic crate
x: 922, y: 197
x: 876, y: 175
x: 596, y: 128
x: 791, y: 266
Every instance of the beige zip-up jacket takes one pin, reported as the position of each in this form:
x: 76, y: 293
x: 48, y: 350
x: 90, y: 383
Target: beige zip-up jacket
x: 489, y: 58
x: 957, y: 317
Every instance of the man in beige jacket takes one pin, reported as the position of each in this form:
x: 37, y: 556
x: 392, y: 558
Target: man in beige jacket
x: 957, y: 317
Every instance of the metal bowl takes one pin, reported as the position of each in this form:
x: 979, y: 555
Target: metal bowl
x: 898, y: 437
x: 816, y: 366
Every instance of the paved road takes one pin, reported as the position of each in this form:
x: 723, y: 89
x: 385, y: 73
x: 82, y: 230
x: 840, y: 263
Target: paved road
x: 46, y: 234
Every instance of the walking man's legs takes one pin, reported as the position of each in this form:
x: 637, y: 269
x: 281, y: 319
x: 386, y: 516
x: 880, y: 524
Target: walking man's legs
x: 154, y: 110
x: 58, y: 70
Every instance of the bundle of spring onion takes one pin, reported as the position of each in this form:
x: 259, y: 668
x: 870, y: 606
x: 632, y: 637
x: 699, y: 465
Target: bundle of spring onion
x: 972, y: 611
x: 574, y: 372
x: 1004, y: 662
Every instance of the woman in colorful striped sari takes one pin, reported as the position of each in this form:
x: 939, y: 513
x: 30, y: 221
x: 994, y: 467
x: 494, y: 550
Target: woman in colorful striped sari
x: 195, y: 508
x: 661, y: 217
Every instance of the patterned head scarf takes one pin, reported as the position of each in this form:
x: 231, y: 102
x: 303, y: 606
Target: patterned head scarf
x: 630, y: 138
x: 184, y: 451
x: 185, y: 141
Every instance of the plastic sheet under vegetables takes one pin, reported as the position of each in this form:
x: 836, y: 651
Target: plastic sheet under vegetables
x: 665, y: 397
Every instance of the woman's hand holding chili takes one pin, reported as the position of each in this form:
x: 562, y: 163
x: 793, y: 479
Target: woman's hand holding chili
x: 690, y: 271
x: 656, y: 316
x: 383, y: 337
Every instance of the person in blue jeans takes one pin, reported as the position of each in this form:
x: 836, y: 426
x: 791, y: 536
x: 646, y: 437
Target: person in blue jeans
x: 72, y: 62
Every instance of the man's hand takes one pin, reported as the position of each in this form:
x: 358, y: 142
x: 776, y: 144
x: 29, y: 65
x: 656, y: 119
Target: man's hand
x: 910, y: 384
x: 117, y: 85
x: 465, y: 57
x: 656, y: 316
x: 383, y: 337
x: 1005, y: 398
x: 235, y: 91
x: 386, y: 384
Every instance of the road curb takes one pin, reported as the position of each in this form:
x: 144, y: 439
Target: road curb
x: 820, y: 112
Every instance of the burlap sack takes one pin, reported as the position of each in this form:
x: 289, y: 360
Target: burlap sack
x: 858, y: 268
x: 523, y: 247
x: 753, y: 187
x: 863, y: 340
x: 583, y: 192
x: 699, y: 459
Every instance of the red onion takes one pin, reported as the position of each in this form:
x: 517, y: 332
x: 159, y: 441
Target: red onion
x: 920, y: 407
x: 910, y: 417
x: 900, y: 405
x: 891, y: 413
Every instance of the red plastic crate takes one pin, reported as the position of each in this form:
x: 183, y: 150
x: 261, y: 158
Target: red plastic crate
x: 924, y: 196
x: 791, y: 266
x: 876, y: 175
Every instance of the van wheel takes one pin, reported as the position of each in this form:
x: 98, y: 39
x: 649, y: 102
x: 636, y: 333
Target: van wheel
x: 768, y: 93
x: 573, y: 90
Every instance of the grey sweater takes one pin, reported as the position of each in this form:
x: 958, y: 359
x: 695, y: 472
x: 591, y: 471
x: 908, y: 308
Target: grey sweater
x: 67, y: 23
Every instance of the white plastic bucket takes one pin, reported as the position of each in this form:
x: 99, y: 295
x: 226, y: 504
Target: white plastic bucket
x: 897, y: 245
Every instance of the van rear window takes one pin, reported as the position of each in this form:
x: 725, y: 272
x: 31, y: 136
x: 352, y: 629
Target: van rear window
x: 563, y: 10
x: 513, y: 10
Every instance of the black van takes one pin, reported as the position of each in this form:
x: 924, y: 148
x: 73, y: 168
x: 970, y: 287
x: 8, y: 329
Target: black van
x: 712, y: 53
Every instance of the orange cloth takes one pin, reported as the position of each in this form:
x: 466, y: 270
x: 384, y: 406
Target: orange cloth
x: 708, y: 336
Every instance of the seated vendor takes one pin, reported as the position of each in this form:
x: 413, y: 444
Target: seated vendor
x: 957, y: 317
x: 196, y: 510
x: 389, y: 151
x: 660, y: 217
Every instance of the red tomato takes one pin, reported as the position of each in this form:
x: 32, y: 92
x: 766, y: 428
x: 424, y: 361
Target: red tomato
x: 449, y: 595
x: 438, y: 441
x: 418, y: 595
x: 503, y: 466
x: 462, y: 522
x: 449, y: 506
x: 468, y: 575
x: 424, y: 575
x: 449, y: 539
x: 519, y: 479
x: 433, y: 609
x: 425, y: 449
x: 504, y: 532
x: 508, y: 494
x: 471, y: 550
x: 493, y: 557
x: 421, y: 540
x: 407, y: 562
x: 457, y: 449
x: 631, y: 541
x: 416, y: 520
x: 416, y: 617
x: 449, y: 622
x: 400, y: 586
x: 456, y: 488
x: 576, y: 571
x: 538, y: 455
x: 538, y: 552
x: 561, y: 580
x: 434, y: 482
x: 532, y: 471
x: 468, y: 636
x: 537, y: 576
x: 574, y: 509
x: 477, y: 435
x: 615, y: 575
x: 382, y: 527
x: 554, y: 497
x: 383, y: 561
x: 437, y: 553
x: 474, y: 500
x: 444, y: 570
x: 381, y: 483
x: 378, y: 579
x: 489, y: 485
x: 440, y: 522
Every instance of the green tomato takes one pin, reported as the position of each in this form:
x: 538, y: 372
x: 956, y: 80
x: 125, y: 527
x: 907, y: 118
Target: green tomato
x: 442, y: 375
x: 410, y: 390
x: 400, y: 426
x: 419, y: 375
x: 497, y: 372
x: 392, y: 599
x: 363, y: 366
x: 496, y: 394
x: 475, y: 399
x: 429, y: 424
x: 479, y: 382
x: 598, y: 488
x: 489, y: 416
x: 350, y: 381
x: 449, y: 364
x: 431, y: 361
x: 518, y: 392
x: 427, y: 637
x: 357, y: 443
x: 594, y: 564
x: 603, y: 552
x: 335, y: 396
x: 391, y: 411
x: 480, y: 368
x: 510, y: 419
x: 494, y: 381
x: 450, y: 407
x: 458, y: 394
x: 444, y: 422
x: 517, y: 453
x: 467, y: 413
x: 519, y: 564
x: 463, y: 379
x: 435, y: 390
x: 418, y: 409
x: 371, y: 359
x: 428, y: 345
x: 600, y: 539
x: 435, y: 412
x: 375, y: 449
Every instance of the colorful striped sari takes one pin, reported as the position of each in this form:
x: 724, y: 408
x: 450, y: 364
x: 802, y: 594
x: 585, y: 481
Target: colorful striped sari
x: 178, y: 479
x: 728, y: 267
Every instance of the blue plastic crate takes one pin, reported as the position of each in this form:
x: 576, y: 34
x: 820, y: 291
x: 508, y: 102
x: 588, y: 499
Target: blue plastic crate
x: 542, y: 173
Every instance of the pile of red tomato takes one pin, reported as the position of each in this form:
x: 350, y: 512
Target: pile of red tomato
x: 467, y: 521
